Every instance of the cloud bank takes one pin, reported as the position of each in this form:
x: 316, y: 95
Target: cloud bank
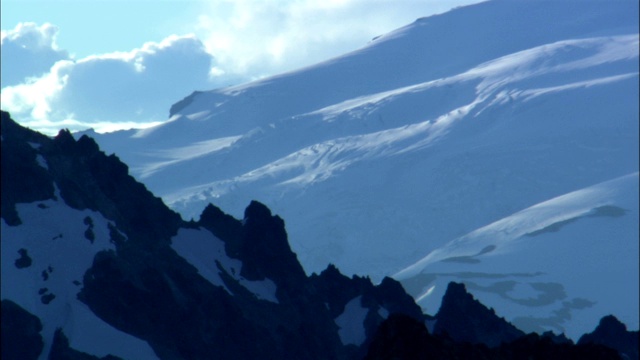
x: 28, y: 50
x: 107, y: 92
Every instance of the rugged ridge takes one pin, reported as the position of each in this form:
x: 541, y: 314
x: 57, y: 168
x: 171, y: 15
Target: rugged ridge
x: 402, y: 337
x: 21, y: 337
x: 22, y: 179
x: 142, y: 286
x: 116, y: 263
x: 465, y: 319
x: 614, y: 334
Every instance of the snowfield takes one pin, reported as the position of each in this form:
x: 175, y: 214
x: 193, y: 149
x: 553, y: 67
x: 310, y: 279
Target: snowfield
x: 560, y: 265
x: 432, y: 152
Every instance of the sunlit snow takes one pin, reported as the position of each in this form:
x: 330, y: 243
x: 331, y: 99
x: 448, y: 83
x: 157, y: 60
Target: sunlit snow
x: 591, y: 272
x: 451, y: 124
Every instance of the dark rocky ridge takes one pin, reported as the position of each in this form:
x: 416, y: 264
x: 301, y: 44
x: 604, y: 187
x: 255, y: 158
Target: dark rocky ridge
x: 614, y: 334
x: 21, y: 337
x: 23, y: 181
x: 60, y: 350
x: 146, y: 289
x: 465, y: 319
x: 183, y: 103
x: 86, y: 178
x: 402, y: 337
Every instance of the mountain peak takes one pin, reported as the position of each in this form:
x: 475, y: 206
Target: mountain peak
x: 464, y: 318
x: 257, y: 211
x: 613, y: 333
x: 265, y: 247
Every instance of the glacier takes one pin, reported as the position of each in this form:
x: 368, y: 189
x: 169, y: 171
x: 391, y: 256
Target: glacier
x: 383, y: 157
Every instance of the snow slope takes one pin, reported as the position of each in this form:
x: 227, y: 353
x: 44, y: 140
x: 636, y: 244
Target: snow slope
x: 560, y: 265
x: 55, y: 239
x: 379, y: 157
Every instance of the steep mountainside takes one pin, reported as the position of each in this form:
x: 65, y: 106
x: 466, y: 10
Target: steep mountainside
x: 94, y: 263
x: 95, y: 267
x: 456, y: 123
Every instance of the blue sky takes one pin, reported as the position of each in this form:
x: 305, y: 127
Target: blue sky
x: 90, y: 27
x: 119, y: 64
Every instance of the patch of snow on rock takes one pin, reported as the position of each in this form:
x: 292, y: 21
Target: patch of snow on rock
x: 42, y: 162
x: 351, y: 322
x: 206, y: 252
x: 61, y: 244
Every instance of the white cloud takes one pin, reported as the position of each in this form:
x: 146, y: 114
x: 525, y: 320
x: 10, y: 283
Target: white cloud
x: 258, y: 38
x: 116, y: 90
x: 28, y: 50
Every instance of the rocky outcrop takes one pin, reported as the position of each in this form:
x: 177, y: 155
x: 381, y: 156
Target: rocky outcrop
x: 337, y: 290
x: 465, y: 319
x: 86, y: 177
x: 402, y: 337
x: 23, y: 180
x: 175, y: 108
x: 557, y: 338
x: 145, y: 289
x: 21, y: 338
x: 60, y: 350
x: 614, y: 334
x: 264, y: 249
x: 89, y: 179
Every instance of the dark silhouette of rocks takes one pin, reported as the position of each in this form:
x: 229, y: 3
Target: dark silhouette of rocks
x: 402, y: 337
x: 465, y: 319
x: 21, y: 338
x: 614, y: 334
x: 23, y: 181
x: 60, y: 350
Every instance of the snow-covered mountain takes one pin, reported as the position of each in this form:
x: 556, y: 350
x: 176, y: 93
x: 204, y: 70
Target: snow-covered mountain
x: 499, y: 116
x: 94, y: 267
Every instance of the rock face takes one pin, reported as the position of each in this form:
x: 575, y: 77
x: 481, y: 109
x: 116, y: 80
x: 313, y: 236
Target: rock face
x: 60, y: 350
x: 614, y: 334
x: 338, y: 291
x: 21, y: 337
x: 465, y: 319
x: 143, y: 287
x: 23, y: 181
x: 130, y: 269
x: 402, y: 337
